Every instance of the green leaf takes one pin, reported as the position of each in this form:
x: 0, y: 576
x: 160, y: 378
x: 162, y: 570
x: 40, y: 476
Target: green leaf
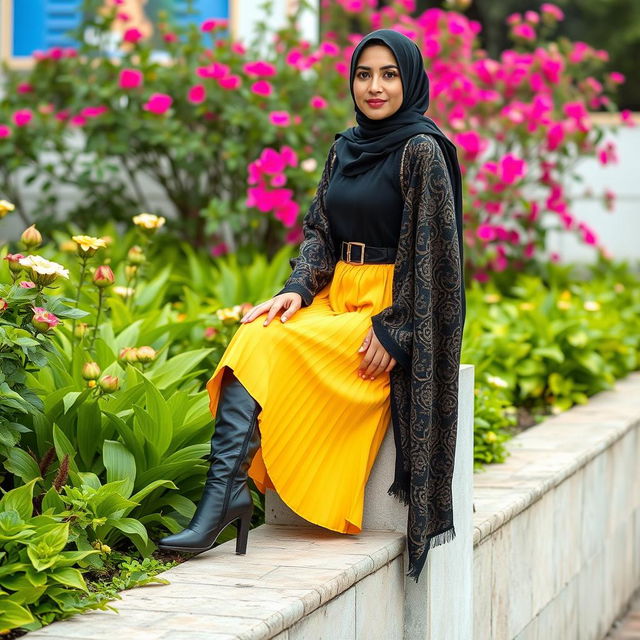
x: 21, y: 464
x: 70, y: 577
x: 19, y: 500
x: 13, y: 615
x: 120, y: 464
x: 63, y: 445
x: 161, y: 415
x: 130, y: 526
x: 174, y: 368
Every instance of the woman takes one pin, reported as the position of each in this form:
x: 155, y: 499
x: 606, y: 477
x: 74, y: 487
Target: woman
x: 370, y: 328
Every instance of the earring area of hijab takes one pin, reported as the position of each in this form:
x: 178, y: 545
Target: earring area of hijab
x: 377, y: 85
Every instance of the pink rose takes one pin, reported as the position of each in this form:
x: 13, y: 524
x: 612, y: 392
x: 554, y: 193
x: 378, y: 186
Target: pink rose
x: 22, y: 117
x: 158, y: 103
x: 197, y: 94
x: 5, y: 131
x: 259, y: 68
x: 262, y: 88
x: 132, y: 35
x: 78, y: 121
x: 230, y: 82
x: 280, y: 118
x: 25, y: 87
x: 130, y: 79
x: 43, y: 320
x: 93, y: 112
x: 318, y: 102
x: 214, y: 23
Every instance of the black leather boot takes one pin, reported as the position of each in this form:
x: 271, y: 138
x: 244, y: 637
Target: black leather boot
x: 226, y: 497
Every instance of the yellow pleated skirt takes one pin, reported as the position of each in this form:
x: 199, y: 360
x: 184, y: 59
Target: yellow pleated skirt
x: 321, y: 424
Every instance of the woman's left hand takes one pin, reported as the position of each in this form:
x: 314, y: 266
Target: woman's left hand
x: 376, y: 359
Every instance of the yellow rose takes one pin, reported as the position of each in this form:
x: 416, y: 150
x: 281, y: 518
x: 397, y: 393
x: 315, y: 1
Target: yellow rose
x: 148, y: 221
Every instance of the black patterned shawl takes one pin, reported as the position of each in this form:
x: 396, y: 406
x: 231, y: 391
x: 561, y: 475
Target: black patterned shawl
x: 422, y: 330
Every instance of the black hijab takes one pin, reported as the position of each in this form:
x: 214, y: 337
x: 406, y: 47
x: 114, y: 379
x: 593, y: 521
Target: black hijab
x: 360, y: 147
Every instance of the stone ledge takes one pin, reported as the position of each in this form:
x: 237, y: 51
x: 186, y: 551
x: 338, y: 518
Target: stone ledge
x: 544, y: 456
x: 288, y: 573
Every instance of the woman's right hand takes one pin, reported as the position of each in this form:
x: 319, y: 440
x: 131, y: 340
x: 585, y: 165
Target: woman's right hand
x: 290, y: 302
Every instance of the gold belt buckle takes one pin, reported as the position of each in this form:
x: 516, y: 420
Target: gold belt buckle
x: 360, y: 244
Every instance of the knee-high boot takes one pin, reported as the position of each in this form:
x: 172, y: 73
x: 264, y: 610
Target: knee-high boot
x: 226, y: 497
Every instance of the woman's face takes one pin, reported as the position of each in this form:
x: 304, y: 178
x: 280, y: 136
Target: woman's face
x: 377, y: 86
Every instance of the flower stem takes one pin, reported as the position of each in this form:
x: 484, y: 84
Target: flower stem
x: 83, y: 271
x: 95, y: 329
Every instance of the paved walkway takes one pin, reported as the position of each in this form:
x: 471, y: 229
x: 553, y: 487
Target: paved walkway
x: 628, y: 628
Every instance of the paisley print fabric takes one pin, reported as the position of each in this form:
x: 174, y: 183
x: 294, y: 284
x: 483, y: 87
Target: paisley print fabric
x: 421, y: 329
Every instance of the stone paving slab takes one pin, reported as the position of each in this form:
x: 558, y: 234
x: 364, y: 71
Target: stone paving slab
x: 287, y: 573
x: 567, y: 442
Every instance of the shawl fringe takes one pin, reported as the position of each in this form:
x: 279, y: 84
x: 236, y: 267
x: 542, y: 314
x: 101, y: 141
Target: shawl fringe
x: 432, y: 541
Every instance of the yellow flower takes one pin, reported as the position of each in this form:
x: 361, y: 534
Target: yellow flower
x: 124, y: 292
x: 148, y: 221
x: 563, y: 304
x: 492, y: 297
x: 87, y: 245
x: 565, y: 295
x: 591, y: 305
x: 229, y: 315
x: 527, y: 306
x: 497, y: 381
x: 490, y: 436
x: 5, y: 208
x: 42, y: 271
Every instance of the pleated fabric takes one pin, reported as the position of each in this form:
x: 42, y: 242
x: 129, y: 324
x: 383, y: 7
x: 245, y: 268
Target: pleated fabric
x: 321, y: 424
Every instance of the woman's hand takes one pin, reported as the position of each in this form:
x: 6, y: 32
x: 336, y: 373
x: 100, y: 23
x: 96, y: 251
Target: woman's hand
x: 376, y: 359
x: 289, y: 301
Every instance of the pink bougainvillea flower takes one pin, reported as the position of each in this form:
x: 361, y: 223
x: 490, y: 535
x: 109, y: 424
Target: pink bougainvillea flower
x: 93, y: 112
x: 130, y: 79
x: 24, y: 87
x: 197, y: 94
x: 271, y: 161
x: 512, y: 168
x: 259, y: 68
x: 22, y: 117
x: 230, y: 82
x: 279, y: 180
x: 214, y: 23
x: 158, y: 103
x: 472, y: 144
x: 626, y: 117
x: 287, y: 213
x: 552, y: 11
x: 280, y: 118
x: 329, y: 48
x: 555, y: 136
x: 132, y: 35
x: 170, y: 37
x: 616, y: 77
x: 239, y: 48
x: 289, y: 156
x: 214, y: 70
x: 524, y: 31
x: 63, y: 115
x: 608, y: 154
x: 486, y: 232
x: 77, y: 121
x: 5, y: 131
x: 123, y: 17
x: 318, y: 102
x: 262, y: 88
x: 219, y: 249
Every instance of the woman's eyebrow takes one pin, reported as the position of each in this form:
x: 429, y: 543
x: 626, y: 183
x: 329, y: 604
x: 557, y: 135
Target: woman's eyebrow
x: 386, y: 66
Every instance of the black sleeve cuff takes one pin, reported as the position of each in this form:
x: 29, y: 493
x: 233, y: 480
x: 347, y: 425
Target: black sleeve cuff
x: 401, y: 356
x: 305, y: 294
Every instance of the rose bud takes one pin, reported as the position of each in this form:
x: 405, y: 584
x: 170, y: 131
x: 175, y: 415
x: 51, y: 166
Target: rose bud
x: 43, y: 320
x: 109, y: 384
x: 4, y: 305
x: 14, y: 262
x: 129, y: 354
x: 31, y: 237
x: 146, y: 354
x: 81, y: 329
x: 136, y: 255
x: 26, y: 284
x: 90, y: 371
x: 103, y: 277
x: 130, y: 271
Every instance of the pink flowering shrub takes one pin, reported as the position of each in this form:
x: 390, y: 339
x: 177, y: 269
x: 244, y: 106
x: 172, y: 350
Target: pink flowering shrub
x: 520, y: 122
x: 211, y: 127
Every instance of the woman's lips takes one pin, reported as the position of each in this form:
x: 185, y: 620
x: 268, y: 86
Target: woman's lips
x: 375, y: 104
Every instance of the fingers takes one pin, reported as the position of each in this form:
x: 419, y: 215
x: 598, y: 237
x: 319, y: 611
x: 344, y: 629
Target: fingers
x: 366, y: 342
x: 254, y: 312
x: 291, y: 309
x: 275, y: 307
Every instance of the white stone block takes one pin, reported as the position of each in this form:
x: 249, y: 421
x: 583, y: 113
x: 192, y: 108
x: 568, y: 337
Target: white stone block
x: 379, y: 603
x: 336, y: 619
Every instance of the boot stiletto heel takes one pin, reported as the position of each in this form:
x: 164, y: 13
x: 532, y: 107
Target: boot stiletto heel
x: 226, y: 497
